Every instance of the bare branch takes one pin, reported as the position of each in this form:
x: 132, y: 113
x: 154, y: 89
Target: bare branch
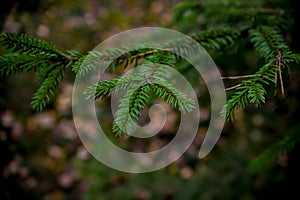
x: 240, y: 77
x: 234, y: 87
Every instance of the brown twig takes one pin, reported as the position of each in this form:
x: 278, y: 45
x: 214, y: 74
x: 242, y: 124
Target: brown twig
x: 278, y: 63
x: 239, y: 77
x: 234, y: 87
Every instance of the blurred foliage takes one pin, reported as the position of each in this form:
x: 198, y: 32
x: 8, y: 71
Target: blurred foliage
x: 43, y: 158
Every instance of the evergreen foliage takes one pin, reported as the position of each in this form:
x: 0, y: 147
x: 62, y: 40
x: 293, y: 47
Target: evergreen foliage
x: 279, y: 148
x: 45, y: 59
x: 262, y: 27
x: 28, y: 45
x: 269, y: 43
x: 138, y: 88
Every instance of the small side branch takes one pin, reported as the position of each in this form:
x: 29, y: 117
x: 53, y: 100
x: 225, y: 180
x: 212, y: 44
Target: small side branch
x: 239, y: 77
x: 234, y: 87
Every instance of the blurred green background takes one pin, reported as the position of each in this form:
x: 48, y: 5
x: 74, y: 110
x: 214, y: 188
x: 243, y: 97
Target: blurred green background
x: 43, y: 158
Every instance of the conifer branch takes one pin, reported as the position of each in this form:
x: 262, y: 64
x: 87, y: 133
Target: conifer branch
x: 216, y: 39
x: 172, y: 96
x: 294, y: 58
x: 27, y: 44
x: 249, y: 91
x: 20, y: 63
x: 130, y: 108
x: 45, y: 93
x: 268, y: 42
x: 213, y: 39
x: 40, y: 56
x: 279, y: 148
x: 255, y: 22
x: 105, y: 88
x: 138, y: 87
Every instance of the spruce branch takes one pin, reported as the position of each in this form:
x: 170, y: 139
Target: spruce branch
x: 243, y: 14
x: 130, y: 108
x: 250, y: 90
x: 125, y: 56
x: 105, y: 88
x: 216, y: 39
x: 172, y: 96
x: 20, y: 63
x: 136, y: 98
x: 46, y: 91
x: 294, y: 58
x: 27, y: 44
x: 268, y: 41
x: 77, y: 65
x: 270, y: 44
x: 151, y: 68
x: 138, y: 86
x: 153, y: 80
x: 29, y: 54
x: 279, y: 148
